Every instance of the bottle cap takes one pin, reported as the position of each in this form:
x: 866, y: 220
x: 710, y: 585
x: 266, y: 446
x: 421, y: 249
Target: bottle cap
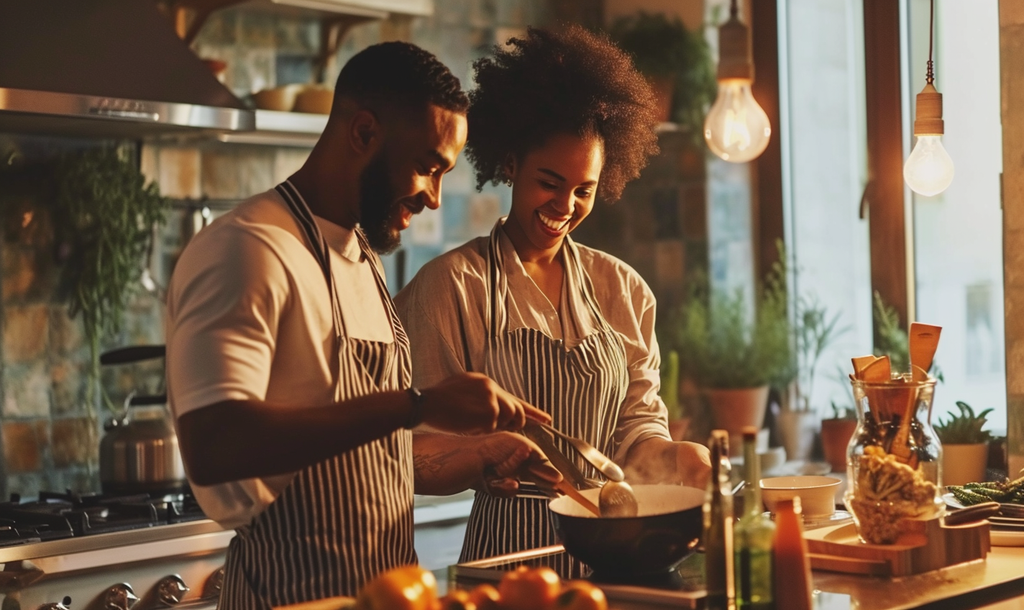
x: 749, y: 433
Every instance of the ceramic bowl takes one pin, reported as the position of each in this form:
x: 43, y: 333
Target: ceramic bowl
x: 817, y: 494
x: 314, y: 99
x: 280, y: 98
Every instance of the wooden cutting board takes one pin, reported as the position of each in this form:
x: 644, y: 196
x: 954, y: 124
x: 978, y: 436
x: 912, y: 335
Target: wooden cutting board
x: 926, y: 545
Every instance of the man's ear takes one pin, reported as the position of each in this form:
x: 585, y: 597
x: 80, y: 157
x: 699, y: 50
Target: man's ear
x: 364, y: 131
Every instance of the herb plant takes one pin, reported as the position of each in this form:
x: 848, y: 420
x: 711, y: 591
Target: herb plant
x: 721, y: 344
x: 661, y: 47
x: 104, y: 213
x: 965, y: 428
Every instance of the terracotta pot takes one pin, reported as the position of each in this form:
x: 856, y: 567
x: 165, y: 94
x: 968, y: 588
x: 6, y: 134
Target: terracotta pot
x: 964, y: 463
x: 835, y: 440
x: 734, y: 409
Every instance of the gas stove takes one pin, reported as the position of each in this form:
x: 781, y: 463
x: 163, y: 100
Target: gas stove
x: 109, y: 552
x: 56, y: 516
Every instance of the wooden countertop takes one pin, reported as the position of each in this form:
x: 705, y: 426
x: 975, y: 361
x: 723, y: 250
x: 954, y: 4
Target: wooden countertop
x: 333, y: 603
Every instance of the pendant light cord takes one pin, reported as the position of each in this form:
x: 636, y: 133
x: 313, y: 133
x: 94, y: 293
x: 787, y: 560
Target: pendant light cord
x: 930, y: 74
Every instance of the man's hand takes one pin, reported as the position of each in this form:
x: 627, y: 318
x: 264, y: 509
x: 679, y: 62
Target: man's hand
x: 508, y: 457
x: 474, y: 403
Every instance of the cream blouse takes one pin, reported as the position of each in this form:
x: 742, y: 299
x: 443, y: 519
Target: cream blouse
x: 444, y: 312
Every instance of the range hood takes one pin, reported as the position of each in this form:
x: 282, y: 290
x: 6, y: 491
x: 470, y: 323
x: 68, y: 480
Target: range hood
x: 105, y: 68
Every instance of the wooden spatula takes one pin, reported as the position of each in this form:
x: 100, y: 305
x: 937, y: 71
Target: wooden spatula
x: 924, y: 340
x: 878, y: 371
x: 862, y: 362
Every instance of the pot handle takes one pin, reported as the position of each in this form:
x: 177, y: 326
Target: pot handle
x: 142, y: 401
x: 133, y: 353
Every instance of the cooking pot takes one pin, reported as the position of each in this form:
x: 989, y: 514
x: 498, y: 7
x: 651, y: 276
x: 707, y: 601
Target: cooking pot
x: 139, y: 450
x: 665, y: 531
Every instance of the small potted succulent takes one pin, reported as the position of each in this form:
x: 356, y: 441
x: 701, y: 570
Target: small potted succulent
x: 964, y: 445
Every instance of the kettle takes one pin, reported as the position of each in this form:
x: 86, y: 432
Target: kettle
x: 139, y: 450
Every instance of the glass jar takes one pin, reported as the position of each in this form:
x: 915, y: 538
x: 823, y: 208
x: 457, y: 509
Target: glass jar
x: 894, y: 460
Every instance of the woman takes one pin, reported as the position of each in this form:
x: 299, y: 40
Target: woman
x: 564, y: 118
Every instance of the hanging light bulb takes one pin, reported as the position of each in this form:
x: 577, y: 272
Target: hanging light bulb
x: 736, y: 128
x: 929, y: 169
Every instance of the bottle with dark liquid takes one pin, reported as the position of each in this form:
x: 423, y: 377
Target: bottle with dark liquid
x: 753, y: 536
x: 718, y: 528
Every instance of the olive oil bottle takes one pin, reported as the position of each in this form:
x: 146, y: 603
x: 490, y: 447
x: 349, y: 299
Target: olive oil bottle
x: 718, y: 527
x: 753, y: 536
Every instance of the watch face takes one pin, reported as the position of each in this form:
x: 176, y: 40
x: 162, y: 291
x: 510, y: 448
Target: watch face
x: 416, y: 410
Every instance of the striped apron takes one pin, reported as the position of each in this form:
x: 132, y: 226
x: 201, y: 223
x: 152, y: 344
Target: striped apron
x: 582, y: 389
x: 343, y: 520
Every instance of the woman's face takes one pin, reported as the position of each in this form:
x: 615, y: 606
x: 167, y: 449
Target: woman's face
x: 553, y: 189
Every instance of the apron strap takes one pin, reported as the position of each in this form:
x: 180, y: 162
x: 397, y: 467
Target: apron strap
x: 317, y: 245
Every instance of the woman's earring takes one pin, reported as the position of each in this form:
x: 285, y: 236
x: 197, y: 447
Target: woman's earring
x: 508, y: 182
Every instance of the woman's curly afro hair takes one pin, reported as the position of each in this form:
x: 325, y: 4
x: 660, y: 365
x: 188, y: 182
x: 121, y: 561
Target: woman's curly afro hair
x: 571, y: 81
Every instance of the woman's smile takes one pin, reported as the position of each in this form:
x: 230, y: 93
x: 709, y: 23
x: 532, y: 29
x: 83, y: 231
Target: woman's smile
x: 555, y: 226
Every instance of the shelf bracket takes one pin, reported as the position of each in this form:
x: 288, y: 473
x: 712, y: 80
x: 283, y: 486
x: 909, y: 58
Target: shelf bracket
x: 190, y: 15
x: 332, y: 33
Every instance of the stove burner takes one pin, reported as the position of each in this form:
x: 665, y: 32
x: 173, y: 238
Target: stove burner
x: 64, y: 515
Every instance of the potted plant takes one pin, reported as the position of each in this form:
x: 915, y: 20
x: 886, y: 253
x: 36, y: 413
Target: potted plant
x: 964, y: 445
x: 103, y: 216
x: 836, y: 433
x: 731, y: 354
x: 814, y: 331
x: 675, y: 61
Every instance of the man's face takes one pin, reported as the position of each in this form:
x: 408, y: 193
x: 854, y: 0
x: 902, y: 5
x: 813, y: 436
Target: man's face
x: 405, y: 175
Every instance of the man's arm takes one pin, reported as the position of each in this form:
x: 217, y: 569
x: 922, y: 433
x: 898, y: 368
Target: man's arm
x: 239, y: 439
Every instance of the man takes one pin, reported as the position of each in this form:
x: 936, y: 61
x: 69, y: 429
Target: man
x: 288, y: 371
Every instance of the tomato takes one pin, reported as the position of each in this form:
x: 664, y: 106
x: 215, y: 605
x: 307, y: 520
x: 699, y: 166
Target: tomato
x: 529, y: 589
x: 405, y: 588
x: 486, y: 597
x: 581, y: 595
x: 457, y: 599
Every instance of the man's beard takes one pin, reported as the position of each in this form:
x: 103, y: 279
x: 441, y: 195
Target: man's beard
x: 378, y: 208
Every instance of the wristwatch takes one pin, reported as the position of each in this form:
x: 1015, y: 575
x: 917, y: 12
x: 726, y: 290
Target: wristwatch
x: 416, y: 413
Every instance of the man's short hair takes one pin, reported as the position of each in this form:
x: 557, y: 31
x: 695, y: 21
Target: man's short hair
x: 401, y: 75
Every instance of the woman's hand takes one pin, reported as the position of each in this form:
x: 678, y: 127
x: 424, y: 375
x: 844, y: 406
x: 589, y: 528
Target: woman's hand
x: 657, y: 460
x: 474, y: 403
x: 508, y: 457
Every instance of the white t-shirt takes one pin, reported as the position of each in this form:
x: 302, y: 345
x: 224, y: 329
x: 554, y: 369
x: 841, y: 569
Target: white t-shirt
x: 249, y: 317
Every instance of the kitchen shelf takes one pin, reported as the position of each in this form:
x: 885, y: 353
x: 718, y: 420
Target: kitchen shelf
x: 273, y: 128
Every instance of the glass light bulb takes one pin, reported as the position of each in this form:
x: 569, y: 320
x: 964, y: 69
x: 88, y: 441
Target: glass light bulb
x: 736, y: 128
x: 928, y: 170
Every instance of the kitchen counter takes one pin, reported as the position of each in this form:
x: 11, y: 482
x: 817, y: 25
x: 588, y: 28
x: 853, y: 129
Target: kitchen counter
x: 971, y: 585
